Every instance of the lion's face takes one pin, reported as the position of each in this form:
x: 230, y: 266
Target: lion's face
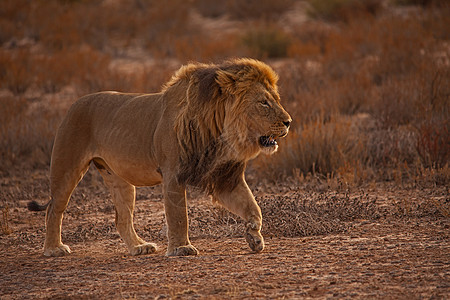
x: 266, y: 119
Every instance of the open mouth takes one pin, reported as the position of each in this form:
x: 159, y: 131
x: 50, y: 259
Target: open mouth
x: 267, y: 141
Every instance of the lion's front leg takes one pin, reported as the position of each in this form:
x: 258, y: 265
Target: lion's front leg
x: 241, y: 202
x: 177, y: 220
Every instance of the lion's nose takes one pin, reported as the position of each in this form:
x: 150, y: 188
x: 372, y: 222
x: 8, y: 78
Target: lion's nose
x: 287, y: 123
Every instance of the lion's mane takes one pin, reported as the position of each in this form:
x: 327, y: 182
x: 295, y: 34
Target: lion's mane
x: 208, y: 124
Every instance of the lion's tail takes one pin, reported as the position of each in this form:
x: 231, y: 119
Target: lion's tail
x: 34, y: 206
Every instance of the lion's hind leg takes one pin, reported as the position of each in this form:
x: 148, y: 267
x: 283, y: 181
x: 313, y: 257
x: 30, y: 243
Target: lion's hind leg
x: 63, y: 182
x: 123, y: 196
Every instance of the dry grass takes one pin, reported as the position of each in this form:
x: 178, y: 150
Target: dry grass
x: 296, y: 214
x: 371, y: 68
x: 367, y: 88
x: 344, y: 10
x: 266, y: 41
x: 26, y: 135
x: 4, y: 221
x: 267, y: 10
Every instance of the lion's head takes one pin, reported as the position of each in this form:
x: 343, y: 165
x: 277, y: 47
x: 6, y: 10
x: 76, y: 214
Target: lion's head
x: 228, y: 114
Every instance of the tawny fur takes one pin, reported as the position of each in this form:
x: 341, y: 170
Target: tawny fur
x: 200, y: 130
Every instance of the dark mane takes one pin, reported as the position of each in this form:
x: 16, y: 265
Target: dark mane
x: 203, y: 170
x: 208, y: 88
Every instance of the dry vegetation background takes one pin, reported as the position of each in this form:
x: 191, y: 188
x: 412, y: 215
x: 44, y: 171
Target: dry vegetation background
x: 367, y: 83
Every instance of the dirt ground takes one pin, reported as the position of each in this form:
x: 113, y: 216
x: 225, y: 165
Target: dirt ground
x: 403, y: 252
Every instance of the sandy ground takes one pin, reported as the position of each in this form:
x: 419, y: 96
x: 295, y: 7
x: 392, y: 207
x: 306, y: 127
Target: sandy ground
x: 404, y: 256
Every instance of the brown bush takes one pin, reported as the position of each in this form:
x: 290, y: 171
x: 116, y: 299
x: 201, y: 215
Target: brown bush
x: 344, y: 10
x: 317, y: 147
x: 26, y: 135
x: 205, y: 47
x: 266, y: 41
x: 16, y: 69
x: 296, y: 214
x: 391, y: 68
x: 258, y: 9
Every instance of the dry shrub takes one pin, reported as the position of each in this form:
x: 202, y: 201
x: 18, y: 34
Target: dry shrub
x: 302, y: 214
x: 104, y: 25
x: 432, y: 120
x: 398, y: 44
x: 211, y: 9
x: 308, y: 40
x: 258, y: 9
x: 303, y: 50
x: 390, y: 152
x: 426, y: 3
x: 316, y: 147
x: 214, y: 222
x: 266, y: 41
x: 26, y: 135
x: 241, y: 10
x: 413, y: 89
x: 5, y: 229
x: 16, y: 69
x: 430, y: 208
x: 303, y: 89
x: 392, y: 68
x: 63, y: 30
x: 344, y: 10
x: 13, y: 19
x: 419, y: 103
x: 207, y: 47
x: 90, y: 69
x: 433, y: 143
x: 137, y: 77
x: 163, y: 23
x: 431, y: 177
x: 296, y: 214
x: 85, y: 67
x: 397, y: 104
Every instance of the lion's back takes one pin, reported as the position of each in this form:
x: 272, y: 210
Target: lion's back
x: 109, y: 119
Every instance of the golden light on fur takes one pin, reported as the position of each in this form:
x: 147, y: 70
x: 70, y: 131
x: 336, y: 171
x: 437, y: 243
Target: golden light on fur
x: 201, y: 130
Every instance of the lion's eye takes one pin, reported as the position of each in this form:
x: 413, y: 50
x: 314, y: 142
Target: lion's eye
x: 265, y: 103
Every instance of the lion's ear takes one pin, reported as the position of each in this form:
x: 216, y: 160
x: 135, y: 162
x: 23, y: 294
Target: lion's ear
x: 227, y: 81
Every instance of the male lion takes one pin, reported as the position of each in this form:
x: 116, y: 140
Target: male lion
x: 200, y: 130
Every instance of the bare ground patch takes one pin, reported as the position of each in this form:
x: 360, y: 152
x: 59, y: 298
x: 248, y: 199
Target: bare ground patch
x: 352, y: 244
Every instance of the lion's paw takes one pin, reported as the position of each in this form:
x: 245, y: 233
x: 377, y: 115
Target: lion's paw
x: 61, y: 250
x: 145, y: 248
x: 255, y: 240
x: 183, y: 251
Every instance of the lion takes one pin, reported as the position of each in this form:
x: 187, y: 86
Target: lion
x: 204, y: 126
